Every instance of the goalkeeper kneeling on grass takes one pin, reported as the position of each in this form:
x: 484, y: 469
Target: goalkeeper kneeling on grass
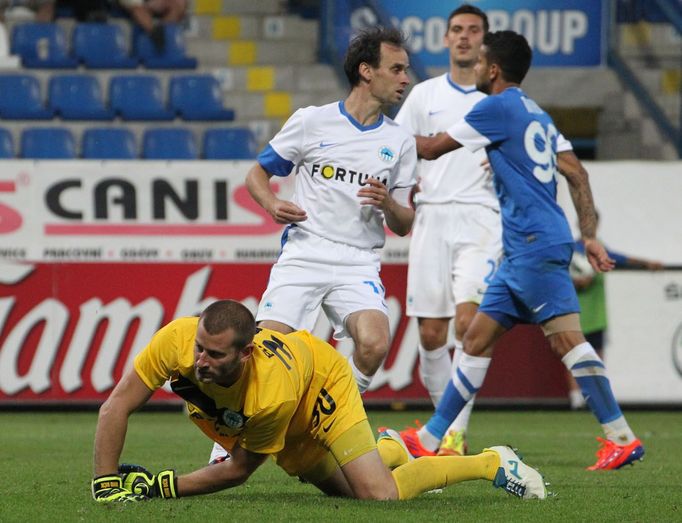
x: 260, y: 393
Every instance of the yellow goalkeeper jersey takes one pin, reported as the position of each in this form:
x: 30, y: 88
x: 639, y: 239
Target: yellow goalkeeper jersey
x: 295, y: 390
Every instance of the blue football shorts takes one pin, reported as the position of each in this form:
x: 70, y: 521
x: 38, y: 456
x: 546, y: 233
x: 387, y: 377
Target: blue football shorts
x: 532, y: 288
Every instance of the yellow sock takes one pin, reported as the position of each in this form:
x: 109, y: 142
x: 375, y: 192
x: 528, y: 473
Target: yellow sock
x: 428, y: 473
x: 392, y: 453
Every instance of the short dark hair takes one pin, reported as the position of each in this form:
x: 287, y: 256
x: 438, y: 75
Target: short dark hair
x: 229, y: 314
x: 468, y: 9
x: 366, y: 47
x: 511, y: 52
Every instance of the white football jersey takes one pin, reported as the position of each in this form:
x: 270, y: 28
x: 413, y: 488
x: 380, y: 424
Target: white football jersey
x: 431, y: 107
x: 332, y: 155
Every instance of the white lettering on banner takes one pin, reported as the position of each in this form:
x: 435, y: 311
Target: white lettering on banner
x: 119, y: 315
x: 550, y: 32
x: 56, y: 317
x: 12, y: 274
x: 190, y: 302
x: 423, y: 34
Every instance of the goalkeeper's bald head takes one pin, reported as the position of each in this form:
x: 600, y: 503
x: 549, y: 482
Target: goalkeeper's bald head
x: 229, y: 314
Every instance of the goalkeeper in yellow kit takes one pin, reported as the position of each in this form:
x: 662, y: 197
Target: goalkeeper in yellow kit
x: 261, y: 393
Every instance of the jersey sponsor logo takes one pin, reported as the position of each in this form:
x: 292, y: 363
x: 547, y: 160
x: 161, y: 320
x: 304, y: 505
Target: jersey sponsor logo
x: 342, y: 174
x: 431, y: 113
x: 328, y: 427
x: 324, y: 144
x: 386, y: 154
x: 538, y: 308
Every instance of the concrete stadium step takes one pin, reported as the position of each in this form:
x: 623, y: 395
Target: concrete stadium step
x: 644, y: 39
x: 239, y: 7
x: 251, y: 52
x: 269, y: 27
x: 274, y: 104
x: 319, y: 78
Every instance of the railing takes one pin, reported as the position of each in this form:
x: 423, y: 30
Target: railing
x: 668, y: 11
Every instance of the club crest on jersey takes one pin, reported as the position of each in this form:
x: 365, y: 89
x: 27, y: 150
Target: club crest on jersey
x: 232, y: 420
x: 386, y: 154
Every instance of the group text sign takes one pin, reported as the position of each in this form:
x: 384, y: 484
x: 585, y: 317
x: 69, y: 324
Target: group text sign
x: 562, y: 33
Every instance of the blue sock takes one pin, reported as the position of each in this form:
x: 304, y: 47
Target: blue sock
x: 588, y: 370
x: 450, y: 405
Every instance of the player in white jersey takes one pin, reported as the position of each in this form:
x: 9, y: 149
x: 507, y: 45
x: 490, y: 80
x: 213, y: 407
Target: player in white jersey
x: 354, y: 170
x: 457, y: 238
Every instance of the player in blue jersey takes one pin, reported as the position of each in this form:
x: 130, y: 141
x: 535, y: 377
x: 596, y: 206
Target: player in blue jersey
x: 532, y: 284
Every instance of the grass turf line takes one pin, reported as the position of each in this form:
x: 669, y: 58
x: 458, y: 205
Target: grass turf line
x: 47, y: 468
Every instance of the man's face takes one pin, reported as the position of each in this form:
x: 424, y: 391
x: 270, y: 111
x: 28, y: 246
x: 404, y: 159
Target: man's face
x: 216, y: 359
x: 482, y: 72
x: 389, y: 80
x: 464, y: 39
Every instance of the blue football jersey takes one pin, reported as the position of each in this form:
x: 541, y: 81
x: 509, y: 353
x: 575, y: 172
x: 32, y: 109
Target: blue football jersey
x: 521, y: 141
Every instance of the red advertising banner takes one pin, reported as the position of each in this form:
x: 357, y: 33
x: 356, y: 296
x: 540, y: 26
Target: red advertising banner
x: 68, y: 331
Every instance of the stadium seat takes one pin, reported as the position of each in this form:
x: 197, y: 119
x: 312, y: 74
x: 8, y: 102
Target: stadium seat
x: 41, y: 45
x: 173, y: 56
x: 138, y: 97
x: 101, y: 46
x: 169, y: 144
x: 109, y: 144
x: 198, y: 97
x: 237, y: 143
x: 78, y: 97
x: 6, y: 144
x: 20, y: 98
x: 55, y: 143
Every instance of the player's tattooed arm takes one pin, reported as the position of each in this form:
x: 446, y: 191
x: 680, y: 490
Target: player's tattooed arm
x: 581, y: 194
x: 282, y: 211
x: 432, y: 147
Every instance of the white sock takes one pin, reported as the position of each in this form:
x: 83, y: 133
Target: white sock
x: 434, y: 370
x: 217, y: 452
x: 462, y: 420
x: 575, y: 397
x: 619, y: 431
x: 362, y: 380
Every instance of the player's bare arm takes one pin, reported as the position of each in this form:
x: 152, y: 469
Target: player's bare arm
x: 579, y: 186
x: 229, y: 473
x: 432, y: 147
x: 398, y: 218
x: 128, y: 395
x: 282, y: 211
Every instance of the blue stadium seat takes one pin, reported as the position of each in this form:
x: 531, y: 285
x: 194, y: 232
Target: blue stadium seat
x: 55, y: 143
x: 6, y: 144
x: 237, y: 143
x: 78, y: 97
x: 109, y: 144
x: 102, y: 46
x: 20, y: 98
x: 173, y: 56
x: 169, y: 144
x: 41, y: 45
x: 198, y: 97
x: 138, y: 97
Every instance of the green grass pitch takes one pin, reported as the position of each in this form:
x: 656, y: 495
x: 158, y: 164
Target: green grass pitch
x: 47, y: 465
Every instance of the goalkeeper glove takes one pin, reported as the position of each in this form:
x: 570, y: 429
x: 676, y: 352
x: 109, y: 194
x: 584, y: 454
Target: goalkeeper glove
x: 139, y: 480
x: 106, y: 489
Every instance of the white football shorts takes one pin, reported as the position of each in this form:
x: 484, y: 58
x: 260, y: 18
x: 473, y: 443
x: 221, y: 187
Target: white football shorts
x: 312, y: 272
x: 454, y: 252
